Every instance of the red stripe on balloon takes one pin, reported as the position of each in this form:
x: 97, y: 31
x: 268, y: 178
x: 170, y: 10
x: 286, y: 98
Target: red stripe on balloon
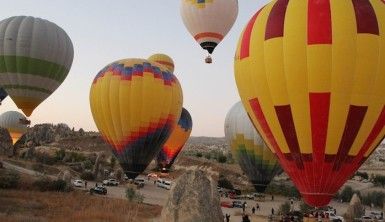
x: 378, y: 126
x: 366, y: 18
x: 319, y: 22
x: 276, y: 20
x: 319, y: 113
x: 256, y: 107
x: 286, y: 121
x: 353, y: 124
x: 245, y: 44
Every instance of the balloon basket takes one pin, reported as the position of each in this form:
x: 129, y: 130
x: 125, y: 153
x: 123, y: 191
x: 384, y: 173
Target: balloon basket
x: 209, y: 60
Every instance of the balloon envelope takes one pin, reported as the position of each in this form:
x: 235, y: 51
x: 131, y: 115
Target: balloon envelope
x: 209, y: 21
x: 176, y: 141
x: 35, y: 58
x: 135, y: 105
x: 163, y: 59
x: 311, y: 75
x: 12, y: 121
x: 249, y: 150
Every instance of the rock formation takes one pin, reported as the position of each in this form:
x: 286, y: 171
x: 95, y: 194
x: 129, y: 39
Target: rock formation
x: 194, y: 197
x: 355, y: 209
x: 5, y: 142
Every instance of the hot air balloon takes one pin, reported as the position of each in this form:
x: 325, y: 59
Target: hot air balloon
x: 135, y: 104
x: 249, y: 150
x: 311, y: 75
x: 208, y: 21
x: 163, y: 59
x: 14, y: 122
x: 35, y: 58
x: 3, y: 95
x: 176, y: 141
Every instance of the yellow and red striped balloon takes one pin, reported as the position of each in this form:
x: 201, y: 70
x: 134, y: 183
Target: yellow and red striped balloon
x: 311, y: 75
x: 136, y: 105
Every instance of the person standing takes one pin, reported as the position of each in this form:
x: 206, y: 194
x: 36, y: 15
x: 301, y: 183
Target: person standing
x: 272, y: 211
x: 85, y: 184
x: 227, y: 217
x: 258, y: 206
x: 253, y: 210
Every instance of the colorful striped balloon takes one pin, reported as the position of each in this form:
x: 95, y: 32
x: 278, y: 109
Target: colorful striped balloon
x: 311, y: 75
x: 176, y: 141
x: 35, y: 58
x: 13, y: 122
x: 208, y: 21
x: 136, y: 105
x: 249, y: 150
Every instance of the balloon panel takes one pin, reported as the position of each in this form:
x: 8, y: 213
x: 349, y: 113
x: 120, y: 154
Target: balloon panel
x: 35, y: 58
x: 176, y: 141
x: 163, y: 59
x: 311, y: 76
x: 135, y: 105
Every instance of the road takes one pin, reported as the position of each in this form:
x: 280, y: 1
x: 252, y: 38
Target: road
x: 11, y: 166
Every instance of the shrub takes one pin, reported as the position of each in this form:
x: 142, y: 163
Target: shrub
x: 199, y: 154
x: 364, y: 175
x: 60, y: 154
x: 77, y: 157
x: 132, y: 195
x: 379, y: 180
x: 45, y: 159
x: 376, y: 197
x: 224, y: 182
x: 46, y: 184
x: 87, y: 176
x: 222, y: 158
x: 208, y: 156
x: 88, y: 165
x: 9, y: 179
x: 304, y: 208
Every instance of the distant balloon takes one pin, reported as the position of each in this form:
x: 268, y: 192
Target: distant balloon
x: 35, y: 58
x: 163, y: 59
x: 14, y: 122
x: 136, y: 105
x: 3, y: 95
x: 176, y: 141
x: 248, y: 148
x: 311, y: 75
x: 208, y: 21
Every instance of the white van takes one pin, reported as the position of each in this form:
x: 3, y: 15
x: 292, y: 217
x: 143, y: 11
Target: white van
x: 159, y: 182
x: 167, y: 185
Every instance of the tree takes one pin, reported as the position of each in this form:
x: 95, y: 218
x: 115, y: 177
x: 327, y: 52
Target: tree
x: 222, y: 158
x: 379, y: 180
x: 284, y: 208
x: 347, y: 194
x: 224, y: 182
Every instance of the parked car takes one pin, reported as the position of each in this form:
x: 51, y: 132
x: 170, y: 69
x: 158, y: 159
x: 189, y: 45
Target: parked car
x: 226, y: 204
x: 78, y: 183
x: 98, y: 190
x: 140, y: 182
x: 167, y: 185
x: 237, y: 204
x: 111, y: 182
x: 163, y: 184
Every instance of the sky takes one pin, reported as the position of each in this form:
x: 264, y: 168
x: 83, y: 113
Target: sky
x: 103, y: 32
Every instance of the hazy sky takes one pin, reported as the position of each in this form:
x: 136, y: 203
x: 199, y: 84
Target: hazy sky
x: 106, y: 31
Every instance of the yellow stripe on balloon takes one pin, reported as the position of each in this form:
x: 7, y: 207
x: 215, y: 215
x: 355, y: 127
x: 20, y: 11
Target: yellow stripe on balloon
x: 343, y: 49
x: 295, y: 69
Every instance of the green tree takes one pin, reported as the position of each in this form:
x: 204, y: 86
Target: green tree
x: 284, y: 208
x: 379, y: 180
x: 222, y: 158
x: 346, y: 194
